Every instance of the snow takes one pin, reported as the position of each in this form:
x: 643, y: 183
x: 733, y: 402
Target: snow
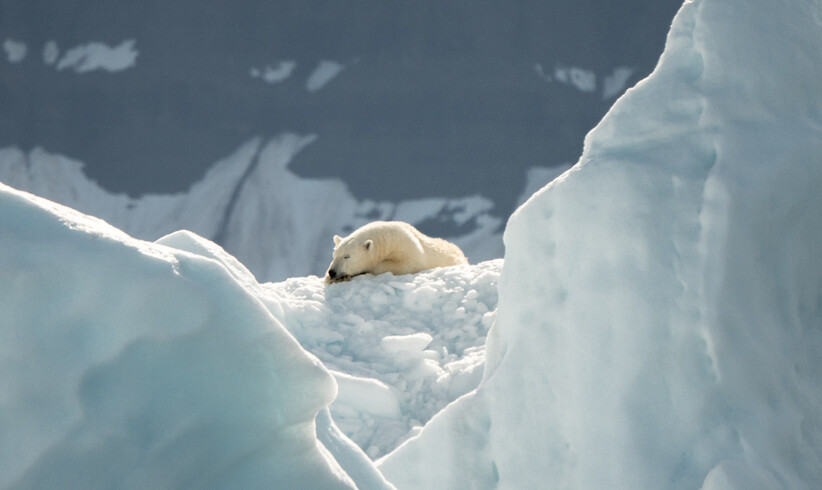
x: 89, y: 381
x: 410, y: 344
x: 15, y: 50
x: 656, y: 322
x: 614, y: 84
x: 273, y: 75
x: 99, y: 56
x: 51, y: 52
x: 580, y: 78
x: 366, y: 395
x: 401, y: 347
x: 585, y: 80
x: 661, y: 302
x: 128, y: 364
x: 324, y: 72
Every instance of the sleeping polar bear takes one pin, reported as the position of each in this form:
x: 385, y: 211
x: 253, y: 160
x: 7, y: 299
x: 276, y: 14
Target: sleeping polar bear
x: 389, y: 246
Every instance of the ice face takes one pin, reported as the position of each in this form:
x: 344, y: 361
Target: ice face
x: 659, y: 305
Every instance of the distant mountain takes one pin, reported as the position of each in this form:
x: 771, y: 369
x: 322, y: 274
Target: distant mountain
x: 278, y: 224
x: 403, y: 101
x: 394, y: 90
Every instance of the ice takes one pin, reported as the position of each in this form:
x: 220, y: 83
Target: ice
x: 416, y: 342
x: 51, y: 52
x: 324, y: 72
x: 580, y: 78
x: 661, y: 302
x: 737, y: 475
x: 538, y: 177
x: 99, y: 56
x: 656, y: 321
x: 426, y: 355
x: 350, y: 457
x: 90, y: 380
x: 15, y: 50
x: 367, y: 395
x: 585, y: 81
x: 273, y: 75
x: 128, y: 364
x: 614, y: 84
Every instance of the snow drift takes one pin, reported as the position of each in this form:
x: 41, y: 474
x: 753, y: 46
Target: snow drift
x: 127, y: 364
x: 660, y: 310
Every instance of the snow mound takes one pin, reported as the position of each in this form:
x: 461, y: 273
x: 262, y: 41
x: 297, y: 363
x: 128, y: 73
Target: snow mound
x: 127, y: 364
x: 660, y: 309
x: 401, y: 347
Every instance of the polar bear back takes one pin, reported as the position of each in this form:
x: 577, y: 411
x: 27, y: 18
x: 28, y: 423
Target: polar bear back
x: 407, y: 250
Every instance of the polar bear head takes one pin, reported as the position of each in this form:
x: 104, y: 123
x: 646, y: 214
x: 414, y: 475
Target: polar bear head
x: 353, y: 255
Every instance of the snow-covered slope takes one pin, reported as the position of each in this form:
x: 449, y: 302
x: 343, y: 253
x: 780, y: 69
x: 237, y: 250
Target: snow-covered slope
x: 660, y: 310
x: 278, y: 224
x: 94, y: 322
x: 126, y: 364
x: 401, y: 348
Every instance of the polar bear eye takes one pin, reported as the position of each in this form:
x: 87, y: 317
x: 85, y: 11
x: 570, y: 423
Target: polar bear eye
x: 346, y: 257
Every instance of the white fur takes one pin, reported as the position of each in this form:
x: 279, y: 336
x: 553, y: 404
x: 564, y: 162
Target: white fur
x: 390, y: 246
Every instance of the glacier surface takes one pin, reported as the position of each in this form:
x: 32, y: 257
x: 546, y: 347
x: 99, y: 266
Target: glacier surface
x: 660, y: 308
x: 127, y: 364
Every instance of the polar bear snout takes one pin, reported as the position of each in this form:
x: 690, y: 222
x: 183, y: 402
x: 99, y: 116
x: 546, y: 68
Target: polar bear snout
x: 333, y: 276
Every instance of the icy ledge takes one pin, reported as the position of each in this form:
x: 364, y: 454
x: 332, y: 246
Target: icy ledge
x: 127, y: 364
x: 660, y: 310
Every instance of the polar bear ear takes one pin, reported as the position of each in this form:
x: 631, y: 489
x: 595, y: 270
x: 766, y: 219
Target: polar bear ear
x: 337, y: 239
x: 368, y: 244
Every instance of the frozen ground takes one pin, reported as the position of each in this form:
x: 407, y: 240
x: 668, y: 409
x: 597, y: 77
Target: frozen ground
x: 113, y: 314
x: 401, y: 348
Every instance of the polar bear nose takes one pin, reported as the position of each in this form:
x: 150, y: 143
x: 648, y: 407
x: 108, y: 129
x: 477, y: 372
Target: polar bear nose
x: 332, y: 273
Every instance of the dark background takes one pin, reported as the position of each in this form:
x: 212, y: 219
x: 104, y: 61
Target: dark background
x: 437, y: 97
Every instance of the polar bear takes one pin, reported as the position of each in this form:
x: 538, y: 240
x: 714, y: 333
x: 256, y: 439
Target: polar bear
x: 389, y: 246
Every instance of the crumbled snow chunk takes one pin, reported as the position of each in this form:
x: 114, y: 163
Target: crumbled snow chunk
x: 406, y: 343
x: 488, y: 318
x: 366, y: 395
x: 420, y: 336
